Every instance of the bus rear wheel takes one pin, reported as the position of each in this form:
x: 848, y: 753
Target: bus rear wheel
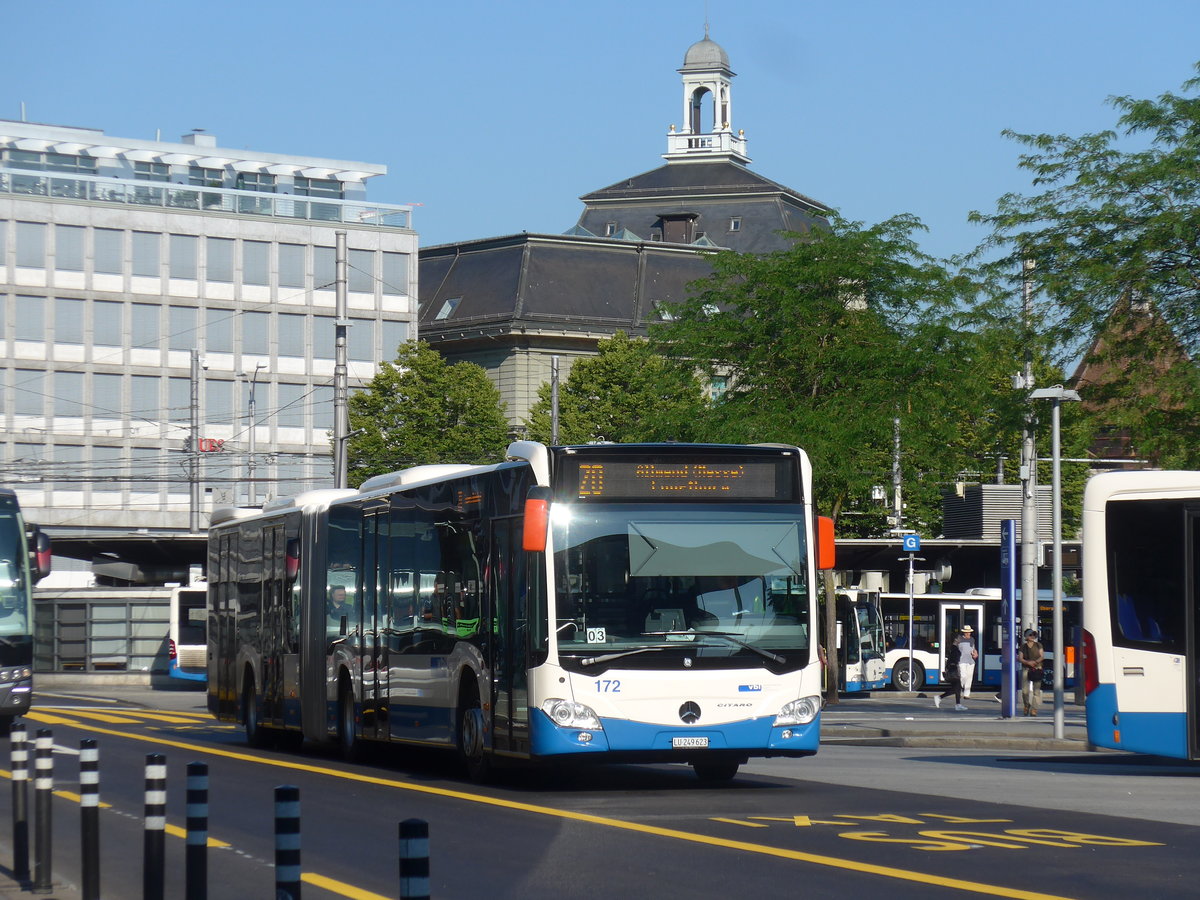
x: 256, y: 735
x: 900, y: 677
x: 347, y: 731
x: 472, y: 730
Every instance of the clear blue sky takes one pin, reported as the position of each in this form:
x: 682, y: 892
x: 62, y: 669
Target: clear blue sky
x: 496, y: 117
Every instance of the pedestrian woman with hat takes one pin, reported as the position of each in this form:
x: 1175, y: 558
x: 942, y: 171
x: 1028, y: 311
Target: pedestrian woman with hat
x: 967, y: 654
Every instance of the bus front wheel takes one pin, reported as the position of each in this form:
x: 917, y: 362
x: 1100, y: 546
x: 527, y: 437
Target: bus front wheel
x: 716, y: 770
x: 472, y: 730
x: 256, y: 735
x: 900, y: 676
x: 347, y: 731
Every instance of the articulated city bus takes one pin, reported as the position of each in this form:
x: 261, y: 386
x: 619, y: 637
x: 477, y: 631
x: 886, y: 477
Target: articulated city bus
x: 603, y: 602
x: 1141, y: 611
x: 936, y: 618
x: 24, y: 559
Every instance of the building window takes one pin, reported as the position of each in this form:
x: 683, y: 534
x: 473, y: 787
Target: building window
x: 360, y: 275
x: 146, y: 331
x: 394, y: 334
x: 256, y: 333
x: 143, y: 397
x: 735, y: 223
x: 68, y: 394
x: 290, y: 413
x: 717, y: 386
x: 151, y: 171
x: 448, y: 308
x: 106, y: 396
x: 319, y: 187
x: 324, y: 267
x: 145, y: 254
x: 360, y: 343
x: 109, y: 256
x: 30, y: 319
x: 219, y: 331
x: 256, y: 181
x: 219, y: 262
x: 291, y: 265
x: 179, y: 401
x: 324, y: 334
x: 68, y: 248
x: 202, y: 177
x: 68, y: 321
x: 395, y: 274
x: 256, y: 262
x: 50, y: 162
x: 183, y: 256
x: 182, y: 322
x: 108, y: 327
x: 610, y: 228
x: 31, y: 245
x: 29, y: 396
x: 291, y: 335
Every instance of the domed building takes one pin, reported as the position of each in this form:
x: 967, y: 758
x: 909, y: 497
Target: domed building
x: 513, y: 303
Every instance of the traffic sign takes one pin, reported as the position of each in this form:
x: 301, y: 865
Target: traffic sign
x: 912, y: 543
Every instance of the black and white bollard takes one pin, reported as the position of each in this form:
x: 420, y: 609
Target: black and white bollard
x: 89, y: 818
x: 154, y: 841
x: 196, y: 863
x: 19, y: 746
x: 414, y: 859
x: 43, y: 789
x: 287, y: 842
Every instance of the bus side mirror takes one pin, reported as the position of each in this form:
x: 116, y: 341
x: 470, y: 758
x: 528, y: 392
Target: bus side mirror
x: 39, y: 554
x: 537, y: 520
x: 825, y: 549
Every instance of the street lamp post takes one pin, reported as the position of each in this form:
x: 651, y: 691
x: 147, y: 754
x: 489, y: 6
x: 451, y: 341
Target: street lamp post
x: 1058, y: 394
x: 252, y: 465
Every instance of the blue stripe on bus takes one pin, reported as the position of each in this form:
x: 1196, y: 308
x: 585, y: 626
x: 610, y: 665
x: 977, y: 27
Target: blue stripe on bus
x: 175, y: 672
x: 1161, y: 734
x: 625, y: 736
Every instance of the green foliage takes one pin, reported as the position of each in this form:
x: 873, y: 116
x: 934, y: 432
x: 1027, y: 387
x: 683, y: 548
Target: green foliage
x: 420, y: 410
x: 826, y: 343
x: 626, y: 393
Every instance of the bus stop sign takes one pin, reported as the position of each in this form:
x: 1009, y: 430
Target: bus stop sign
x: 912, y: 543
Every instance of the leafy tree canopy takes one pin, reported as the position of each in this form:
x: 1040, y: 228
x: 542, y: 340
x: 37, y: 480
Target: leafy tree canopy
x: 626, y: 393
x: 419, y: 410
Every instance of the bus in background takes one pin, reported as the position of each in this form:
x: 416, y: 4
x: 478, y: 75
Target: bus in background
x: 860, y: 649
x: 188, y: 645
x: 937, y: 617
x: 605, y: 603
x: 24, y: 560
x: 1141, y: 615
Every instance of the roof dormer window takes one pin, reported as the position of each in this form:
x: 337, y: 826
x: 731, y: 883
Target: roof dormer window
x: 448, y: 308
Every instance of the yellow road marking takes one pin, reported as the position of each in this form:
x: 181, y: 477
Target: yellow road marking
x: 340, y: 887
x: 739, y: 822
x: 619, y: 824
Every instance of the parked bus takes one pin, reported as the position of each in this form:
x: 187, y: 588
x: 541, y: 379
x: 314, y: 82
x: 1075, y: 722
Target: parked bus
x: 936, y: 618
x: 606, y: 602
x: 187, y: 646
x: 1141, y: 616
x: 860, y: 647
x: 24, y: 560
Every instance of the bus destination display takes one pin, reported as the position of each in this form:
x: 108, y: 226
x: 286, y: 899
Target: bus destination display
x: 617, y: 479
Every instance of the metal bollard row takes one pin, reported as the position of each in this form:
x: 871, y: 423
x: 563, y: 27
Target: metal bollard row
x: 414, y: 833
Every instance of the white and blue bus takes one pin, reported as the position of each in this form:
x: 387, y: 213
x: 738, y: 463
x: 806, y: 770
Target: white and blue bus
x: 187, y: 644
x: 1141, y: 616
x: 635, y: 603
x: 860, y: 642
x: 936, y: 618
x: 24, y: 559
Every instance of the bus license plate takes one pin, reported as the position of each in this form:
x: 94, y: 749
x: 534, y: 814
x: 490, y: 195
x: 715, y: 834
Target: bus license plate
x: 689, y: 742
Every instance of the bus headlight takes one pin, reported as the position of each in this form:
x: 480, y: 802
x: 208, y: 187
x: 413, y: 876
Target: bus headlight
x: 799, y: 712
x: 569, y: 714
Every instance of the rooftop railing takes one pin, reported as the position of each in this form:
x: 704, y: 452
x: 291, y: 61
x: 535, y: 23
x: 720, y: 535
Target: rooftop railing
x: 206, y: 199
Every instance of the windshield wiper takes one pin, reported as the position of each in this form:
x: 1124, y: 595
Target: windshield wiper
x: 774, y: 657
x: 609, y: 657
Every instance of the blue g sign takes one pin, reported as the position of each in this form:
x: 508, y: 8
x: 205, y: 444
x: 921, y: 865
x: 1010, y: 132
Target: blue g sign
x: 912, y: 543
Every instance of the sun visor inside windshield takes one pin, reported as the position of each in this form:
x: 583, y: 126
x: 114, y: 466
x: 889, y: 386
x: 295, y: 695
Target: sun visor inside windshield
x: 714, y: 548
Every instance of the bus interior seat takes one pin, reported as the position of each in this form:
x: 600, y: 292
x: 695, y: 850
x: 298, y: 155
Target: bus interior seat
x: 1127, y: 618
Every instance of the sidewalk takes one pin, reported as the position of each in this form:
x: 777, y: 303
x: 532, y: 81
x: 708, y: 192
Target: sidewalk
x: 893, y: 719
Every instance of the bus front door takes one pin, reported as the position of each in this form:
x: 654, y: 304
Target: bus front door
x: 951, y: 618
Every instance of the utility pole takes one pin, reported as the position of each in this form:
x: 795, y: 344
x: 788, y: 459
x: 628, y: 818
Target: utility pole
x: 554, y: 400
x: 1029, y: 510
x: 341, y: 421
x: 194, y: 449
x: 252, y: 464
x: 897, y: 501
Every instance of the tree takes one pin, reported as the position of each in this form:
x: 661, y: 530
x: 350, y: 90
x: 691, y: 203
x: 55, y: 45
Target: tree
x: 825, y: 343
x: 626, y: 393
x: 1109, y: 222
x: 421, y: 410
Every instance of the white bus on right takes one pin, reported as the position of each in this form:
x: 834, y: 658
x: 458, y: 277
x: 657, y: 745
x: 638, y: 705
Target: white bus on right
x: 1141, y: 618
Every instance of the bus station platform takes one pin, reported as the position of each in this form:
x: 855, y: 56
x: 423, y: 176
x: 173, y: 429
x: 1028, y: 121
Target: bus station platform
x: 897, y: 719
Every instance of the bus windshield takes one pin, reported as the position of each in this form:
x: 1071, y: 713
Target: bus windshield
x: 725, y: 587
x: 14, y: 593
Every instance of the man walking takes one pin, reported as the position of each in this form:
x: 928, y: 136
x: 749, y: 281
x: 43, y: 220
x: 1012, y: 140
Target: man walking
x: 1030, y: 655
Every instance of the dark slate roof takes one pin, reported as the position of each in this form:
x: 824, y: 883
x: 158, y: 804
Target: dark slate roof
x: 714, y: 193
x: 558, y: 284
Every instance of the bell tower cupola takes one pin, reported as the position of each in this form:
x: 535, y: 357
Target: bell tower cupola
x: 706, y: 132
